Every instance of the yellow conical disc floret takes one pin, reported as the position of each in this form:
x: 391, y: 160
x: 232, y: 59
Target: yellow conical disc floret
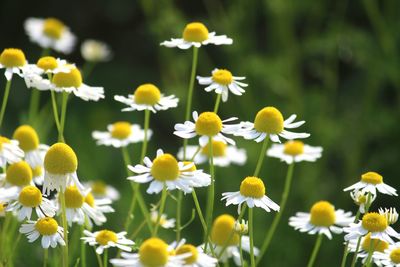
x: 47, y: 63
x: 218, y: 149
x: 99, y: 187
x: 195, y: 32
x: 19, y: 174
x: 208, y: 123
x: 252, y: 187
x: 293, y: 148
x: 377, y: 244
x: 121, y: 130
x: 30, y: 196
x: 27, y: 138
x: 60, y: 159
x: 372, y: 178
x: 4, y: 140
x: 395, y: 255
x: 187, y: 248
x: 269, y: 120
x: 46, y: 226
x: 2, y: 207
x: 222, y: 229
x: 147, y: 94
x: 105, y: 236
x: 223, y: 77
x: 89, y: 199
x: 323, y: 214
x: 73, y: 198
x: 165, y: 168
x: 191, y: 169
x: 12, y: 57
x: 37, y: 171
x: 53, y: 28
x: 374, y: 222
x: 73, y: 78
x: 153, y: 252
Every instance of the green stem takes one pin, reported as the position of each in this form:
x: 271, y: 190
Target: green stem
x: 315, y: 251
x: 87, y: 69
x: 55, y: 109
x: 277, y: 218
x: 33, y: 104
x: 45, y: 52
x: 211, y: 192
x: 262, y: 156
x: 63, y: 116
x: 83, y: 248
x: 161, y: 210
x: 346, y: 247
x: 129, y: 217
x: 145, y: 140
x: 45, y: 257
x: 217, y: 101
x: 105, y: 258
x: 195, y: 153
x: 178, y: 216
x: 5, y: 99
x: 241, y: 251
x: 252, y: 261
x: 199, y: 212
x: 98, y: 258
x: 65, y: 226
x: 353, y: 262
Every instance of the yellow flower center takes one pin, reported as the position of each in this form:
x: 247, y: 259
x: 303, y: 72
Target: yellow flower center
x: 89, y: 199
x: 73, y: 198
x: 374, y: 222
x: 19, y: 174
x: 323, y: 214
x: 218, y: 149
x: 27, y: 138
x: 252, y: 187
x: 121, y: 130
x: 165, y: 168
x: 12, y: 57
x: 147, y: 94
x: 208, y: 123
x: 2, y: 207
x: 222, y: 229
x: 60, y: 159
x: 188, y: 249
x: 73, y: 78
x: 191, y: 169
x: 30, y: 196
x: 395, y: 255
x: 377, y: 244
x: 53, y: 28
x: 195, y: 32
x: 223, y: 77
x: 153, y: 252
x: 293, y: 148
x: 47, y: 63
x: 46, y: 226
x: 105, y: 236
x: 269, y: 120
x: 37, y: 171
x: 99, y: 187
x: 372, y: 178
x: 4, y: 140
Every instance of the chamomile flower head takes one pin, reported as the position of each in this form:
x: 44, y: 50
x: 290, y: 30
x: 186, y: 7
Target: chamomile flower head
x: 147, y: 97
x: 165, y: 170
x: 374, y: 223
x: 389, y: 257
x: 322, y: 219
x: 14, y: 61
x: 370, y: 182
x: 242, y: 227
x: 120, y: 134
x: 360, y: 198
x: 95, y: 51
x: 19, y: 174
x: 252, y: 191
x: 101, y: 190
x: 164, y: 222
x: 28, y: 199
x: 196, y: 258
x: 367, y: 243
x: 391, y: 215
x: 152, y: 252
x: 10, y: 152
x: 222, y: 81
x: 196, y: 34
x: 105, y: 239
x: 223, y: 154
x: 206, y: 125
x: 50, y: 33
x: 48, y: 228
x: 294, y: 151
x: 269, y: 123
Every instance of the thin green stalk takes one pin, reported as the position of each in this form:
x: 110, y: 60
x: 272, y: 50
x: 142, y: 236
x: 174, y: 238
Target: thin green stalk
x: 146, y: 128
x: 83, y: 248
x: 262, y: 156
x: 129, y: 217
x: 195, y: 153
x: 105, y: 258
x: 45, y: 52
x: 346, y: 247
x: 33, y: 104
x: 217, y: 101
x: 137, y: 231
x: 241, y: 251
x: 98, y: 258
x: 211, y: 192
x: 178, y: 215
x: 252, y: 261
x: 55, y: 109
x: 87, y: 69
x: 45, y: 257
x: 315, y: 251
x: 199, y: 212
x: 277, y: 218
x: 5, y: 100
x: 63, y: 116
x: 161, y: 210
x: 65, y: 226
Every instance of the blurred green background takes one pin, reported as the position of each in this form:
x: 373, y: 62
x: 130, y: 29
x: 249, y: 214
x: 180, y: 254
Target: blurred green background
x: 333, y: 63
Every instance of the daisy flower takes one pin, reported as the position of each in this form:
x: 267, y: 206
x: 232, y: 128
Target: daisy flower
x: 120, y: 134
x: 165, y: 170
x: 252, y: 191
x: 10, y: 152
x: 196, y: 34
x: 13, y: 60
x: 105, y: 239
x: 269, y: 123
x: 197, y: 256
x: 295, y: 151
x: 147, y: 97
x: 223, y: 154
x: 50, y: 33
x: 30, y: 198
x: 101, y: 190
x: 370, y: 182
x: 47, y: 228
x: 152, y: 252
x: 322, y: 219
x: 206, y: 125
x: 95, y: 51
x: 242, y: 227
x: 164, y: 222
x: 374, y: 223
x: 390, y: 256
x: 222, y: 81
x: 368, y: 243
x: 360, y: 199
